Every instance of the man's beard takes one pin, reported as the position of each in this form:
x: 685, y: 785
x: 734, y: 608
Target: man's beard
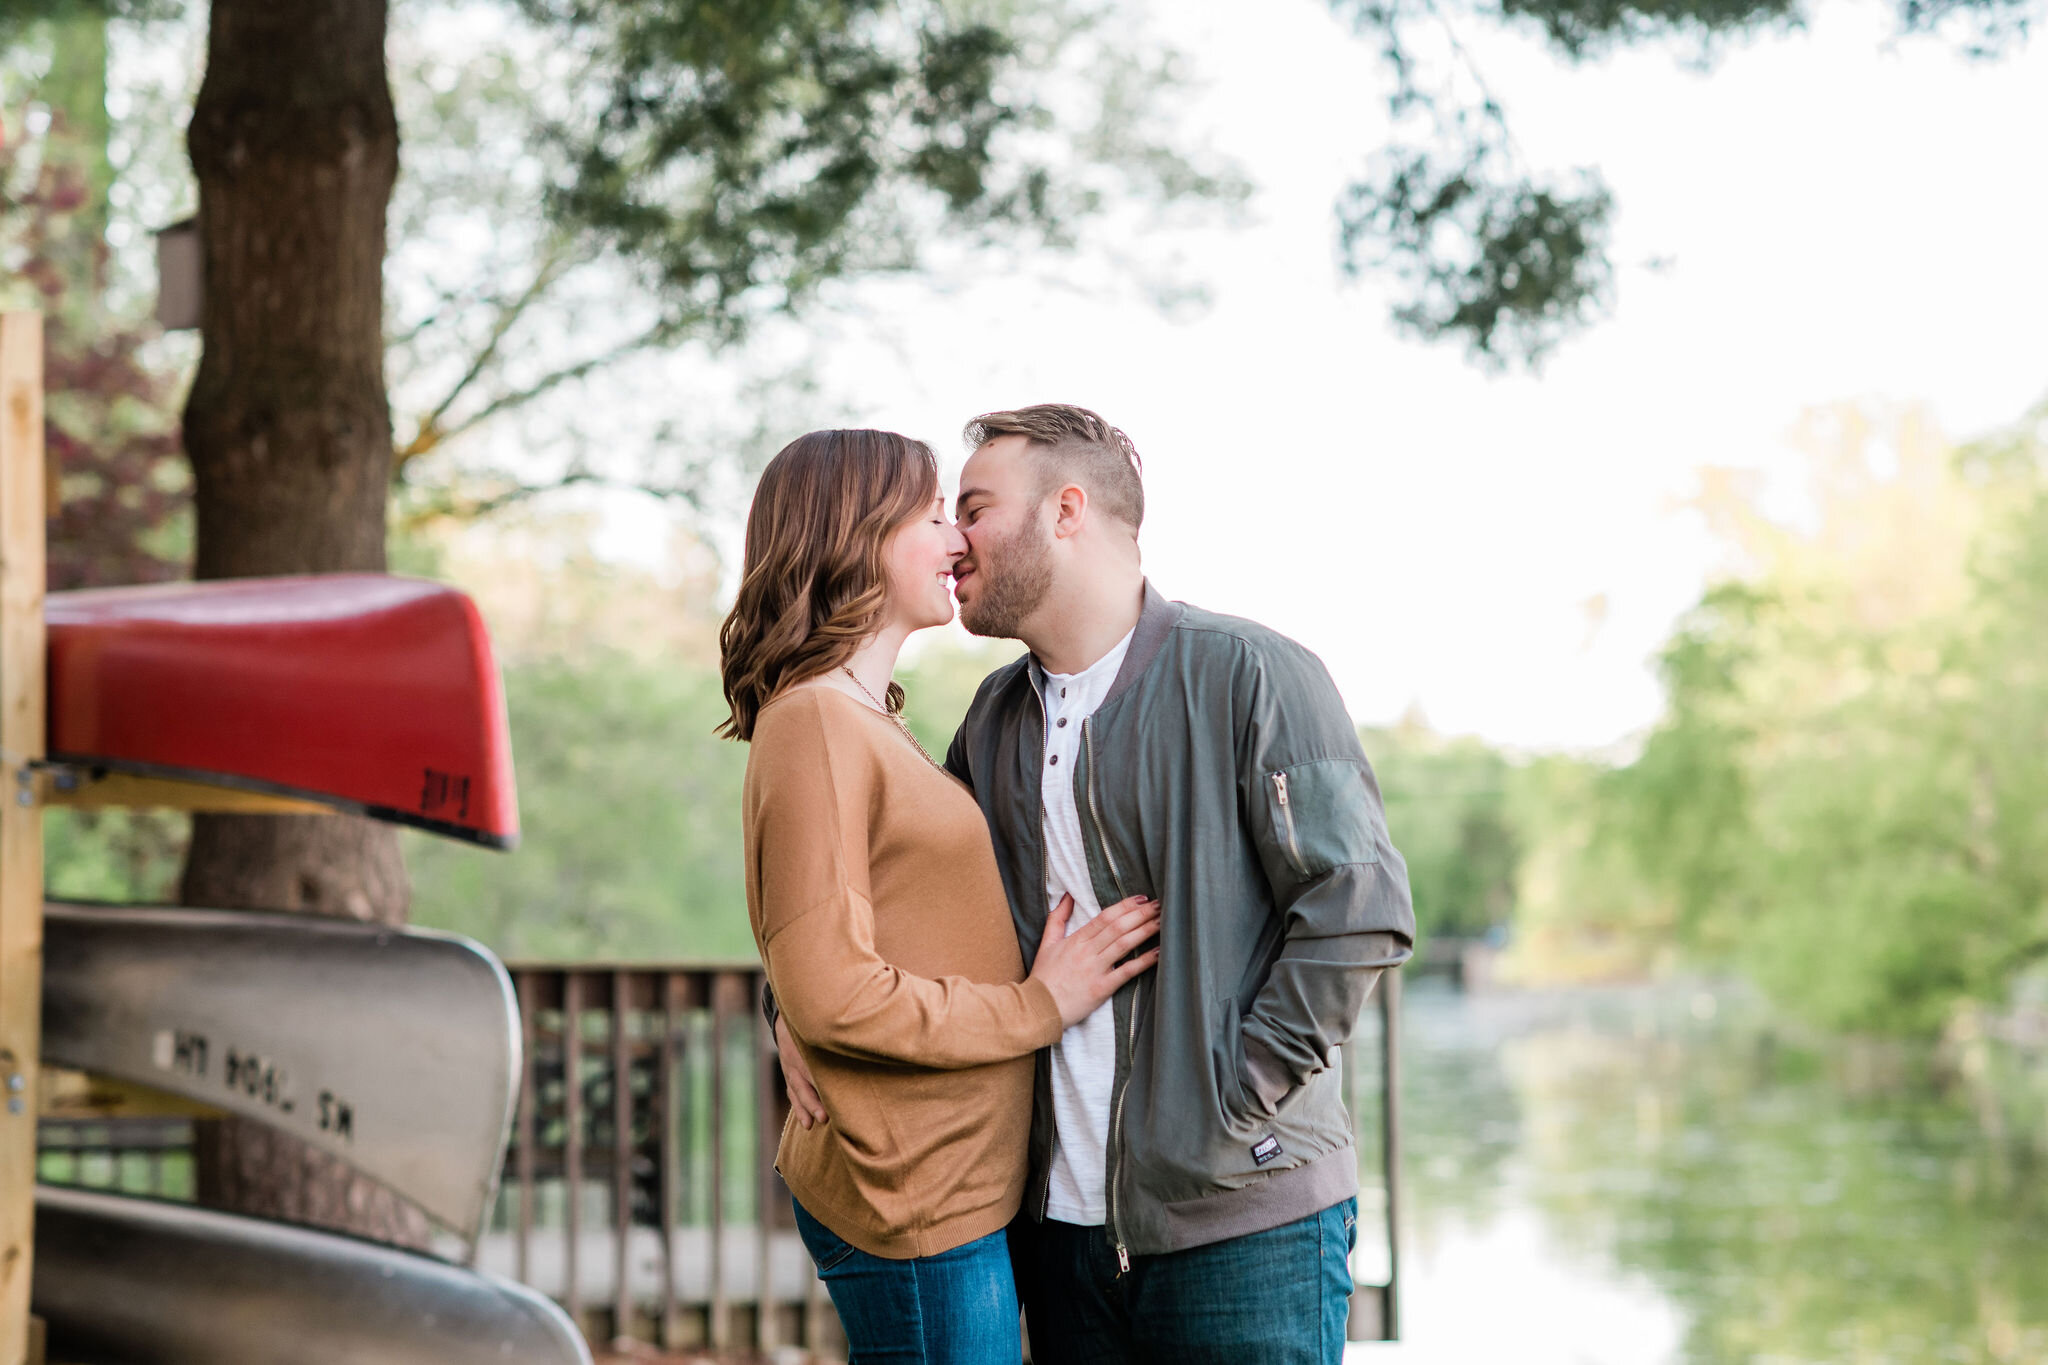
x: 1016, y: 575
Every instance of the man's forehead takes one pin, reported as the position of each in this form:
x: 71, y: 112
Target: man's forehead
x: 993, y: 467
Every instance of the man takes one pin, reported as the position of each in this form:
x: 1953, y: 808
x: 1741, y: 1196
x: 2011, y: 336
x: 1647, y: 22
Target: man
x: 1193, y: 1189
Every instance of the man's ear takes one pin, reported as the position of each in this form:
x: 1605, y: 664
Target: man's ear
x: 1070, y: 510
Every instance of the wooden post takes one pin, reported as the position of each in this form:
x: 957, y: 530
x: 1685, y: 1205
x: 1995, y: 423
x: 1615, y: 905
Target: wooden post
x: 21, y: 824
x: 1390, y: 1139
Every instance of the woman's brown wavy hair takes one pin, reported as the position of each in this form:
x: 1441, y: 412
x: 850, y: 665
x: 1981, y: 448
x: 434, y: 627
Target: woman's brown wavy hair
x: 812, y: 584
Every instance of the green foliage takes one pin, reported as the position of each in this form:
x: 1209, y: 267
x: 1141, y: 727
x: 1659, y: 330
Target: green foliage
x: 748, y: 152
x: 738, y: 156
x: 22, y: 13
x: 1447, y: 809
x: 940, y: 683
x: 1587, y: 28
x: 1845, y: 799
x: 587, y: 185
x: 115, y: 855
x: 111, y: 413
x: 1510, y: 265
x: 630, y: 812
x: 1685, y: 797
x: 1583, y: 912
x: 1507, y: 258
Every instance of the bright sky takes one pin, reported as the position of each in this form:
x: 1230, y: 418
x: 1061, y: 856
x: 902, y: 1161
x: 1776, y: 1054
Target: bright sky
x: 1848, y: 217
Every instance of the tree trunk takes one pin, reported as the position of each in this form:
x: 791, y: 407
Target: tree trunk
x: 295, y: 145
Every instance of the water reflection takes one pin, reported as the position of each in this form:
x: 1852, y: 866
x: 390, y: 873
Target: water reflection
x: 1643, y: 1176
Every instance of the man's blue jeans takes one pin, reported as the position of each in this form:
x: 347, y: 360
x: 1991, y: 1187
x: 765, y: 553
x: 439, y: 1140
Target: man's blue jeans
x: 956, y: 1308
x: 1269, y: 1298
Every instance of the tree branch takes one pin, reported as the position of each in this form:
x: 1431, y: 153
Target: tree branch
x: 653, y: 336
x: 452, y: 506
x: 554, y: 261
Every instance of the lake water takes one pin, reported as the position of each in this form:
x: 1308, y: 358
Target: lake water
x: 1631, y: 1177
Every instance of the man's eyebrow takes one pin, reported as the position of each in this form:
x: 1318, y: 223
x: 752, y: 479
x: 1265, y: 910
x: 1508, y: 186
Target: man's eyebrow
x: 967, y: 493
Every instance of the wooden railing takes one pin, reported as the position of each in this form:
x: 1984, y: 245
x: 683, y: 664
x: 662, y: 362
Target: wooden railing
x: 639, y: 1187
x: 643, y: 1196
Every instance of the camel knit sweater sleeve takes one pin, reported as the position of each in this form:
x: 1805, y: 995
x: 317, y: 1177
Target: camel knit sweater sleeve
x: 875, y: 900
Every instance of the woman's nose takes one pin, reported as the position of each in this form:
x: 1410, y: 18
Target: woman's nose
x: 956, y: 544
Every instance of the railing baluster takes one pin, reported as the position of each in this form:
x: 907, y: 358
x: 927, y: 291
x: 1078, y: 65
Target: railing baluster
x: 622, y: 1153
x: 572, y: 1139
x: 669, y: 1148
x: 767, y: 1137
x: 814, y: 1311
x: 523, y: 1134
x: 720, y: 1328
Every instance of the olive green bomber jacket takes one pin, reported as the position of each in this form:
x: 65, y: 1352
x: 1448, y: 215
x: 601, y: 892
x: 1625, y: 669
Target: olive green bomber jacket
x: 1222, y: 775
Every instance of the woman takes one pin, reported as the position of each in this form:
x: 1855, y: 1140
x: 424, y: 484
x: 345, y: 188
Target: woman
x: 876, y: 904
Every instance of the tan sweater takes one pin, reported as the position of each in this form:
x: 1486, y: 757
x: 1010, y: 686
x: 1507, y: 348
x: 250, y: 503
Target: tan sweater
x: 876, y: 903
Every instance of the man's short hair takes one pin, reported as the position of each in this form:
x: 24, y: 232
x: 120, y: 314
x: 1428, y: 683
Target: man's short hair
x: 1073, y: 445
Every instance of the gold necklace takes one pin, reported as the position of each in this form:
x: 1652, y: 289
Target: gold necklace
x: 915, y: 742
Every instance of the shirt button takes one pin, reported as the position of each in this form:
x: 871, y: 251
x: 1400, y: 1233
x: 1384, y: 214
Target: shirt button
x: 1061, y: 722
x: 1063, y: 691
x: 1055, y: 760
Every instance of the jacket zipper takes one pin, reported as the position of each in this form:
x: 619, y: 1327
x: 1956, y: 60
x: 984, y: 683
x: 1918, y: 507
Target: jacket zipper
x: 1045, y: 1197
x: 1287, y: 816
x: 1116, y: 1114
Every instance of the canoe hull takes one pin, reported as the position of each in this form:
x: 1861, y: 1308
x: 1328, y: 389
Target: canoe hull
x: 367, y: 692
x: 125, y: 1281
x: 396, y: 1050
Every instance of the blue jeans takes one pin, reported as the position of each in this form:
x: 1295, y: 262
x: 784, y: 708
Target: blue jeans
x: 956, y: 1308
x: 1268, y: 1298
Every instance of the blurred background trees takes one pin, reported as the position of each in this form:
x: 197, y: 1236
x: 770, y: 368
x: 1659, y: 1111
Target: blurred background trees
x: 1838, y: 802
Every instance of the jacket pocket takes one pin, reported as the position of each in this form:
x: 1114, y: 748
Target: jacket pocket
x: 1235, y: 1096
x: 1322, y: 815
x: 1228, y: 1051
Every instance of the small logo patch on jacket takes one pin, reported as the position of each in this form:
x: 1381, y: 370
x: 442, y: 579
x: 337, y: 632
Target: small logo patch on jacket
x: 1268, y: 1148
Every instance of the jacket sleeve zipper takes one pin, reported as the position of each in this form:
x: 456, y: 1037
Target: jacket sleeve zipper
x: 1116, y: 1118
x: 1287, y: 818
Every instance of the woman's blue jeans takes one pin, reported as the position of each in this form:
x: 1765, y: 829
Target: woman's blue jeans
x: 956, y: 1308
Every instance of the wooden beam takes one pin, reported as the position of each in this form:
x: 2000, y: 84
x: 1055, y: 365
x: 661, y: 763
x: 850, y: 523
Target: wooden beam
x: 21, y: 822
x: 82, y: 790
x: 80, y: 1097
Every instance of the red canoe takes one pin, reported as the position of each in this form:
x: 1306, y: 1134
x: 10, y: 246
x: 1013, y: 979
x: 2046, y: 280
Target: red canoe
x: 360, y: 691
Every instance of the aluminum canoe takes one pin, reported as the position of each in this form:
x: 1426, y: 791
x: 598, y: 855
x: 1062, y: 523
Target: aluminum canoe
x: 396, y: 1050
x: 127, y: 1281
x: 362, y: 692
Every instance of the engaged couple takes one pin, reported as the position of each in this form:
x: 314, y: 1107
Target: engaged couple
x: 1059, y: 1014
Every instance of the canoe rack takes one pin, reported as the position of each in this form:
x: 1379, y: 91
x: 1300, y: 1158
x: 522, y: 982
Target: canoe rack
x: 360, y: 693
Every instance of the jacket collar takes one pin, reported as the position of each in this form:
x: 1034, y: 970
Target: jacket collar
x: 1156, y: 619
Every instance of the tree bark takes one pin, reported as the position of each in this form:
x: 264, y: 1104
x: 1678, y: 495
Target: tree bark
x: 295, y: 144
